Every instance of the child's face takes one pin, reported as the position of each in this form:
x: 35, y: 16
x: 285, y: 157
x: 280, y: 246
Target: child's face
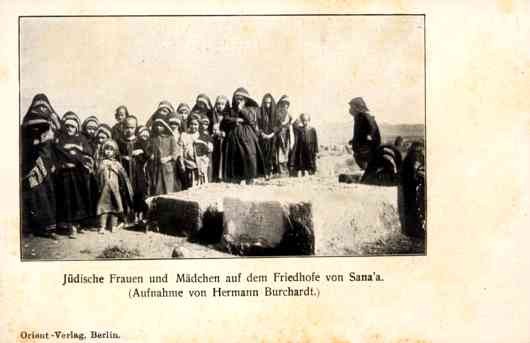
x: 70, y: 129
x: 204, y: 125
x: 174, y: 127
x: 194, y: 126
x: 91, y: 128
x: 184, y: 112
x: 305, y: 121
x: 102, y: 138
x: 130, y: 128
x: 220, y: 105
x: 159, y: 128
x: 284, y: 105
x: 163, y: 111
x: 121, y: 114
x: 144, y: 135
x: 108, y: 152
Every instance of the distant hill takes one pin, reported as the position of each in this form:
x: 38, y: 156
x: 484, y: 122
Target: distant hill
x: 341, y: 133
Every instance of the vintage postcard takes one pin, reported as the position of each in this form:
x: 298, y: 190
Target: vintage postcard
x: 303, y: 172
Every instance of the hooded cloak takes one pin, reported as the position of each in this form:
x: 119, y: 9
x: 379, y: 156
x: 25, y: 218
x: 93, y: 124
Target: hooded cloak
x: 217, y: 138
x: 242, y: 156
x: 412, y: 191
x: 75, y: 164
x: 266, y: 121
x: 38, y: 167
x: 115, y: 191
x: 366, y: 137
x: 162, y: 167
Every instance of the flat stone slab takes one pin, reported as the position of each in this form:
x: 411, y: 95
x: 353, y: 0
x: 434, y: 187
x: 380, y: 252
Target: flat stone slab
x: 287, y: 216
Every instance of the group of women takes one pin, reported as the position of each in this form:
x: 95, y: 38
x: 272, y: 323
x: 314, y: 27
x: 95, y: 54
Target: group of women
x: 73, y: 171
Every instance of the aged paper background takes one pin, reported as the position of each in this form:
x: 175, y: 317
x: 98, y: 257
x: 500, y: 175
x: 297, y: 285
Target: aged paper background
x: 473, y: 284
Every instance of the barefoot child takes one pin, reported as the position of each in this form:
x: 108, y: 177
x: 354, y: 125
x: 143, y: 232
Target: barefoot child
x: 194, y: 160
x: 115, y: 196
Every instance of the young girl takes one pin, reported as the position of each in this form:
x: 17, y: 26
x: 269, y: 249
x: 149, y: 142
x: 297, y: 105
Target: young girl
x: 162, y: 165
x: 305, y: 147
x: 115, y: 191
x: 195, y: 154
x: 103, y: 133
x: 75, y: 163
x: 133, y: 157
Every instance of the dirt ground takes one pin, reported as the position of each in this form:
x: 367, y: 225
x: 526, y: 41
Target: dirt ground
x: 365, y: 239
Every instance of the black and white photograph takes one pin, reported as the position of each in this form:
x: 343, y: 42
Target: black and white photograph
x: 222, y: 136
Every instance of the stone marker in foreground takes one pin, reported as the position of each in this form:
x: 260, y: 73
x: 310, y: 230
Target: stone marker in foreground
x: 268, y: 227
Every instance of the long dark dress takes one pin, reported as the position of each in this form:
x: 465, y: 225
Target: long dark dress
x: 74, y: 165
x: 364, y: 148
x: 266, y: 122
x: 38, y: 185
x: 305, y: 149
x: 242, y: 156
x: 412, y: 191
x: 134, y: 165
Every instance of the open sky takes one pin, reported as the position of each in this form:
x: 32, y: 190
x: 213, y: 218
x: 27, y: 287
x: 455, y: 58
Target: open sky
x: 93, y: 65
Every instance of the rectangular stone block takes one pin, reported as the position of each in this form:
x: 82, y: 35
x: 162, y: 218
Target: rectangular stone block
x: 267, y: 227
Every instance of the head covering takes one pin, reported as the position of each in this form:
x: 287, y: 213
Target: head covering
x: 141, y: 129
x: 165, y: 104
x: 183, y: 105
x: 359, y: 105
x: 162, y: 119
x: 205, y: 100
x: 244, y: 93
x: 71, y: 118
x: 90, y: 119
x: 222, y: 97
x: 284, y: 98
x: 173, y: 118
x: 35, y: 115
x: 105, y: 129
x: 110, y: 143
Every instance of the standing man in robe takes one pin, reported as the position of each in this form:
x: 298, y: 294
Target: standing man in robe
x: 366, y: 137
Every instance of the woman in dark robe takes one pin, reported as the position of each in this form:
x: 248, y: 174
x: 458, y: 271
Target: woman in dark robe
x: 220, y: 110
x: 89, y: 128
x: 37, y: 168
x: 75, y: 163
x: 203, y: 107
x: 266, y: 120
x: 242, y: 157
x: 412, y: 191
x: 305, y: 149
x: 164, y: 154
x: 366, y: 137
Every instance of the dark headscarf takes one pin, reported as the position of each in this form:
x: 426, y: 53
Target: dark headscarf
x: 35, y: 114
x: 359, y: 105
x: 267, y: 119
x: 244, y: 93
x: 89, y: 119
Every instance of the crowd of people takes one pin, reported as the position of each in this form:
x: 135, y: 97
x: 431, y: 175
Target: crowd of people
x: 86, y: 173
x: 75, y: 172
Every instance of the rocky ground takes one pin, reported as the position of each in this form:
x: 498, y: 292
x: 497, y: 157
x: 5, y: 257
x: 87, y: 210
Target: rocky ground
x: 349, y: 220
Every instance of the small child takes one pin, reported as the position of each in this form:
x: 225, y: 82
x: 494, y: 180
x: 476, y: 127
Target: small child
x: 305, y: 149
x: 115, y: 191
x: 195, y: 154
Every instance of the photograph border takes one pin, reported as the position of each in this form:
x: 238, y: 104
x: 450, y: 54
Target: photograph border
x: 230, y: 15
